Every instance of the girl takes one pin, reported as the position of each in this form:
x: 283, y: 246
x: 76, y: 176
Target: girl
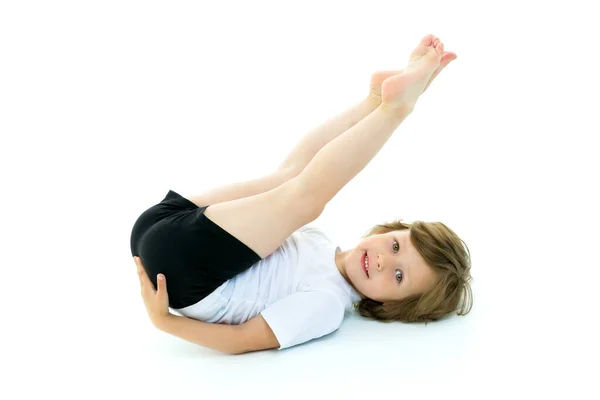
x: 247, y: 271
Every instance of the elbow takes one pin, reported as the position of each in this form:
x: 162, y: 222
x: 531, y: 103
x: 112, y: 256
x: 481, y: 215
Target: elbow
x: 238, y: 350
x: 243, y: 347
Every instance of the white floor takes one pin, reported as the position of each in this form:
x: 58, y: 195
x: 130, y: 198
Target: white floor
x: 107, y: 107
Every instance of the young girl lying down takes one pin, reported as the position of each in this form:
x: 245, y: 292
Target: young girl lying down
x: 247, y: 271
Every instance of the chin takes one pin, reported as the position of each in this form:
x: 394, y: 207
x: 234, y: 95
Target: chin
x: 368, y: 295
x: 357, y: 287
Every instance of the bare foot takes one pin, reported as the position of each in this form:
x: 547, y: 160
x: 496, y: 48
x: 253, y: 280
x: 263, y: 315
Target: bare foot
x: 378, y: 77
x: 407, y: 86
x: 447, y: 58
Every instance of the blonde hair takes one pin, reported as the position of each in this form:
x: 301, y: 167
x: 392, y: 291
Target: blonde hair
x: 449, y: 257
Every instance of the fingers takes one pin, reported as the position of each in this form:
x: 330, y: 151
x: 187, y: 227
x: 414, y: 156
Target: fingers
x: 138, y: 265
x: 145, y: 280
x: 141, y: 271
x: 162, y: 284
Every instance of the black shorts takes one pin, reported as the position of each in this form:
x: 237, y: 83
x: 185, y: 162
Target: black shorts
x: 176, y: 239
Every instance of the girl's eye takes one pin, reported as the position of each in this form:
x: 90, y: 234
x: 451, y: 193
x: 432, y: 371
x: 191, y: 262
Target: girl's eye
x: 396, y: 245
x: 399, y: 275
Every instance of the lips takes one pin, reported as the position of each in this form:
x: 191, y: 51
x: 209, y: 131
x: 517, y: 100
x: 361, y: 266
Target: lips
x: 364, y: 266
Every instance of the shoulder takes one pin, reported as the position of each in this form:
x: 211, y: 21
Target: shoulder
x: 317, y: 307
x: 303, y: 316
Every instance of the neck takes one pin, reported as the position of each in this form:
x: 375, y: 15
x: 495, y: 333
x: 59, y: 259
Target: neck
x: 340, y: 262
x: 341, y: 266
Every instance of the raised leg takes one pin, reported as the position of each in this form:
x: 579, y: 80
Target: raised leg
x: 344, y: 157
x: 238, y: 190
x: 310, y: 144
x: 313, y: 141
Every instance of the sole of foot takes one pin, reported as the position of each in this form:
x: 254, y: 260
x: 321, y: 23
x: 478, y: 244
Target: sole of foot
x: 406, y: 86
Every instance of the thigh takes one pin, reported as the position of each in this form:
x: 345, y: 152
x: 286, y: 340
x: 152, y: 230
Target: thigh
x: 195, y: 255
x: 175, y: 238
x: 170, y: 205
x: 264, y: 221
x: 239, y: 190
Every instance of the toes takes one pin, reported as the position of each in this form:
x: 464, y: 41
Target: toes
x: 447, y: 58
x: 427, y: 40
x: 438, y: 46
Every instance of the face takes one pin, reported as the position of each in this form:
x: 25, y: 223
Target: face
x: 396, y: 270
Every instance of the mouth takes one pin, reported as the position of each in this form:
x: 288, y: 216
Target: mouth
x: 364, y: 264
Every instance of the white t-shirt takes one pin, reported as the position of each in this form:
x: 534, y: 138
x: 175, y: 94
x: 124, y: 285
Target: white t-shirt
x: 297, y: 289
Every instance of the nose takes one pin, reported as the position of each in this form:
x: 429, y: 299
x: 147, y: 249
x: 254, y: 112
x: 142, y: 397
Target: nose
x: 379, y: 262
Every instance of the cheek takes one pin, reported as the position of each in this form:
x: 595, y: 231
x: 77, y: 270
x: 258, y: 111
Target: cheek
x: 382, y: 284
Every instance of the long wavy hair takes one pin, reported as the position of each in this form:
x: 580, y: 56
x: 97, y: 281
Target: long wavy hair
x: 449, y: 257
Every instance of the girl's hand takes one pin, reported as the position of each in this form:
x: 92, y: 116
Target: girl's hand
x: 156, y: 301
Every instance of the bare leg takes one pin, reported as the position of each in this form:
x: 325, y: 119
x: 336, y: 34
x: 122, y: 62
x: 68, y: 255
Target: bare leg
x: 311, y: 143
x: 314, y: 140
x: 344, y: 157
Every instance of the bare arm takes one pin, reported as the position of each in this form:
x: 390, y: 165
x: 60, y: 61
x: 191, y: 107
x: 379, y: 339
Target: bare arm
x: 255, y: 334
x: 221, y: 337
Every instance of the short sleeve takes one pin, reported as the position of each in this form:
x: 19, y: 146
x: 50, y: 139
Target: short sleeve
x: 303, y: 316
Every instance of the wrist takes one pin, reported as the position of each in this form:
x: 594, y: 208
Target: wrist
x: 162, y: 322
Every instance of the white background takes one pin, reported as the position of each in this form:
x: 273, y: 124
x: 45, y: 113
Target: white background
x: 105, y: 106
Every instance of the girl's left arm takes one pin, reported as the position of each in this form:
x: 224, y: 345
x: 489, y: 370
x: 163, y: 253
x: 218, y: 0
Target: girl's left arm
x: 221, y: 337
x: 225, y: 338
x: 253, y: 335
